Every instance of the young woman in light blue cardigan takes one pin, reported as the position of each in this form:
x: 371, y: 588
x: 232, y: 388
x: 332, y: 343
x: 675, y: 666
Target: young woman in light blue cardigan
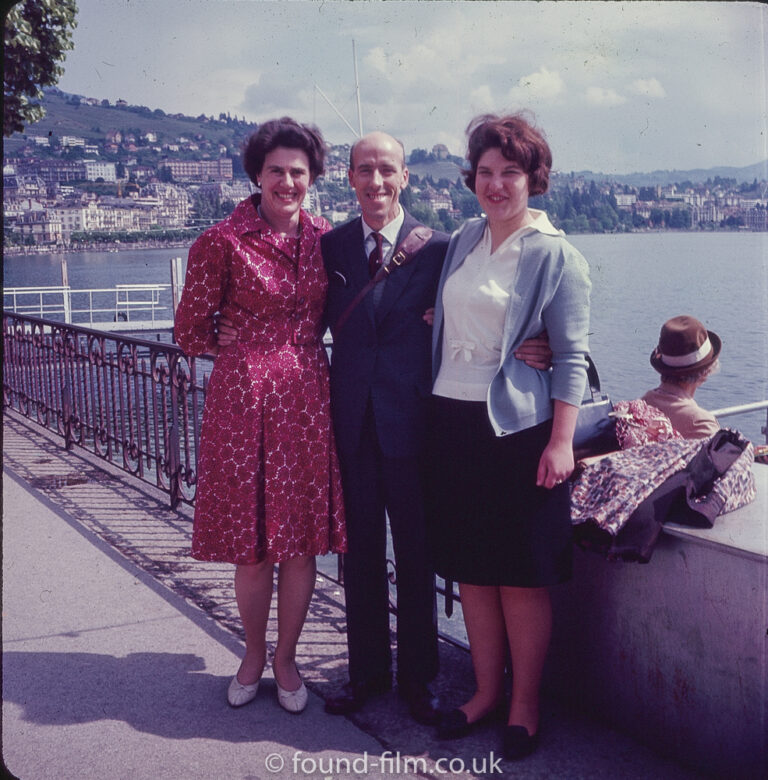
x: 501, y: 446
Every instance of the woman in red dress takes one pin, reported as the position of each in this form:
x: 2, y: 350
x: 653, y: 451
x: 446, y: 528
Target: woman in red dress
x: 268, y: 486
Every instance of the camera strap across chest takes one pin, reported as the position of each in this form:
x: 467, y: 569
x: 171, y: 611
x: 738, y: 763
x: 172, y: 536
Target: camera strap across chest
x: 403, y: 255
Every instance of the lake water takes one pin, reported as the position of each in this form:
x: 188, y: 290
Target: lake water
x: 639, y: 280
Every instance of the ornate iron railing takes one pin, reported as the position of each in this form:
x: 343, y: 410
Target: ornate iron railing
x: 132, y: 402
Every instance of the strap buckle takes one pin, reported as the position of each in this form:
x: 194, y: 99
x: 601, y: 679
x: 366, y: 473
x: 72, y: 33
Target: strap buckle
x: 397, y: 259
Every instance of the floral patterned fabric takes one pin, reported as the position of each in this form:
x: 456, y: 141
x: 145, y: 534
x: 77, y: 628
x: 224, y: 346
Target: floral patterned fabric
x: 640, y: 423
x: 268, y: 476
x: 607, y: 492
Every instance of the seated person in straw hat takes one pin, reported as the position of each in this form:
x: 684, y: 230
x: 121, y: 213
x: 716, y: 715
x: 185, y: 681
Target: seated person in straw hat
x: 685, y: 357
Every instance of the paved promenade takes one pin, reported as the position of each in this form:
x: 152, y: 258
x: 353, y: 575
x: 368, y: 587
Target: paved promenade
x: 117, y: 650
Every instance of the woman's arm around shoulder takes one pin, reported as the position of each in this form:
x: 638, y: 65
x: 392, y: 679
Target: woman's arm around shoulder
x: 320, y: 225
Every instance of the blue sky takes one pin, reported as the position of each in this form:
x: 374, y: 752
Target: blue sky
x: 617, y: 86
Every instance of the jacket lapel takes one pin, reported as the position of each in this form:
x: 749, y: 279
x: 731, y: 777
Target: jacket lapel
x: 396, y: 283
x: 356, y: 265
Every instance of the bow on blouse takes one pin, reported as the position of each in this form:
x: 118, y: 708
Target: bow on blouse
x: 464, y: 348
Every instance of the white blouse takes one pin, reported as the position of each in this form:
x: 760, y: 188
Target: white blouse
x: 475, y: 301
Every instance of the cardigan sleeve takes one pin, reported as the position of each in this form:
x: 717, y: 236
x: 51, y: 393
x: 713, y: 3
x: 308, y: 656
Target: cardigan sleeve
x: 204, y: 287
x: 566, y: 318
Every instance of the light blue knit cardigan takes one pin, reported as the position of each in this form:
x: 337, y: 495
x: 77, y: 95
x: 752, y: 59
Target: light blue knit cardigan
x: 550, y: 292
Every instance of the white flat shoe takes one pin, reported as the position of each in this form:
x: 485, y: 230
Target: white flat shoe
x: 292, y: 701
x: 239, y: 694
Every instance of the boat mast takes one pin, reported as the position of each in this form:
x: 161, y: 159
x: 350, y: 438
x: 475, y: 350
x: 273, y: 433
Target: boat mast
x: 359, y: 131
x: 340, y: 115
x: 357, y: 91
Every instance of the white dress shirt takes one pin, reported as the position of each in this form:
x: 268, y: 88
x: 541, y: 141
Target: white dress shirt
x: 389, y: 235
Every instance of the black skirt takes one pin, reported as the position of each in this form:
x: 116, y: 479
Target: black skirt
x: 489, y: 524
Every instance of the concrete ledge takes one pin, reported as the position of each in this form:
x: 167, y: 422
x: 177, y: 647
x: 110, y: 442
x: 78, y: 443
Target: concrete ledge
x: 675, y: 651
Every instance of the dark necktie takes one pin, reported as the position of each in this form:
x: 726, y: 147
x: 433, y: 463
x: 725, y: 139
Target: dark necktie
x: 374, y: 259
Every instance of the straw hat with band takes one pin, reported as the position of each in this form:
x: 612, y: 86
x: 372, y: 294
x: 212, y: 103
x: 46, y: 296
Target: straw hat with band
x: 685, y: 346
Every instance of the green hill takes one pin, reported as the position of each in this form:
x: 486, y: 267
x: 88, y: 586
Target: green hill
x: 65, y: 115
x: 69, y: 115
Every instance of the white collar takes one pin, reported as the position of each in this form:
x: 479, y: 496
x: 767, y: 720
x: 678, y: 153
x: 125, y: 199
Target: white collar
x: 542, y: 224
x: 390, y: 231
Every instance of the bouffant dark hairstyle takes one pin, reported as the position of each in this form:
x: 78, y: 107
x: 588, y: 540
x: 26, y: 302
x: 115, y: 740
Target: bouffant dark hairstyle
x: 519, y: 141
x: 288, y: 133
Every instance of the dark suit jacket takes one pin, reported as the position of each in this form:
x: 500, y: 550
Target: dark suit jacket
x: 383, y: 354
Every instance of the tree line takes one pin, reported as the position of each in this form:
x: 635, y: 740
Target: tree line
x: 573, y: 210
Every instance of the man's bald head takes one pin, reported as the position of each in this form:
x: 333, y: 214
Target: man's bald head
x: 377, y: 138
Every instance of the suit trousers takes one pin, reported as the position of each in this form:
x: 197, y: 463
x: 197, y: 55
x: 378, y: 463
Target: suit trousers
x: 376, y: 486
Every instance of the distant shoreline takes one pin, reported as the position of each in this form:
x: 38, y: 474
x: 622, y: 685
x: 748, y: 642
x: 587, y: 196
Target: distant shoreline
x: 122, y: 246
x: 100, y: 247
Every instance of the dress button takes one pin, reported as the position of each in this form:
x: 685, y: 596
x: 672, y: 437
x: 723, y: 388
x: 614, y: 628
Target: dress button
x: 302, y: 300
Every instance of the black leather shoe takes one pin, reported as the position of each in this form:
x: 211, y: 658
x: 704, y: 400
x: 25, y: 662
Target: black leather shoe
x: 517, y: 743
x: 452, y: 724
x: 353, y: 696
x: 423, y: 705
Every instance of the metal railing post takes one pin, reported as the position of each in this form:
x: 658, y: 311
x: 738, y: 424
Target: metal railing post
x: 67, y: 299
x: 173, y: 459
x: 730, y: 411
x: 176, y: 283
x: 173, y: 447
x: 67, y: 410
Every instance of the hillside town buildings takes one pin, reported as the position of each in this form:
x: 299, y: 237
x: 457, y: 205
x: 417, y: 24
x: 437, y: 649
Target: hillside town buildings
x: 198, y: 170
x: 60, y: 190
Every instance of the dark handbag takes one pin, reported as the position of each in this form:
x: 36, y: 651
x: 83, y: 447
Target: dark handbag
x: 595, y: 427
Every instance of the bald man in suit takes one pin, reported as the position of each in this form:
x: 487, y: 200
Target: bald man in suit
x: 380, y: 389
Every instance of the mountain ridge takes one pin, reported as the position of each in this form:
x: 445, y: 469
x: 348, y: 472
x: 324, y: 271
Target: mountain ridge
x: 66, y: 116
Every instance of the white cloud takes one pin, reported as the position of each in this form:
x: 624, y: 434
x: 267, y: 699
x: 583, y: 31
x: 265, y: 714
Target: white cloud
x: 651, y: 88
x: 377, y: 59
x: 227, y: 83
x: 604, y: 96
x: 542, y: 86
x: 481, y: 99
x: 425, y: 68
x: 416, y: 65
